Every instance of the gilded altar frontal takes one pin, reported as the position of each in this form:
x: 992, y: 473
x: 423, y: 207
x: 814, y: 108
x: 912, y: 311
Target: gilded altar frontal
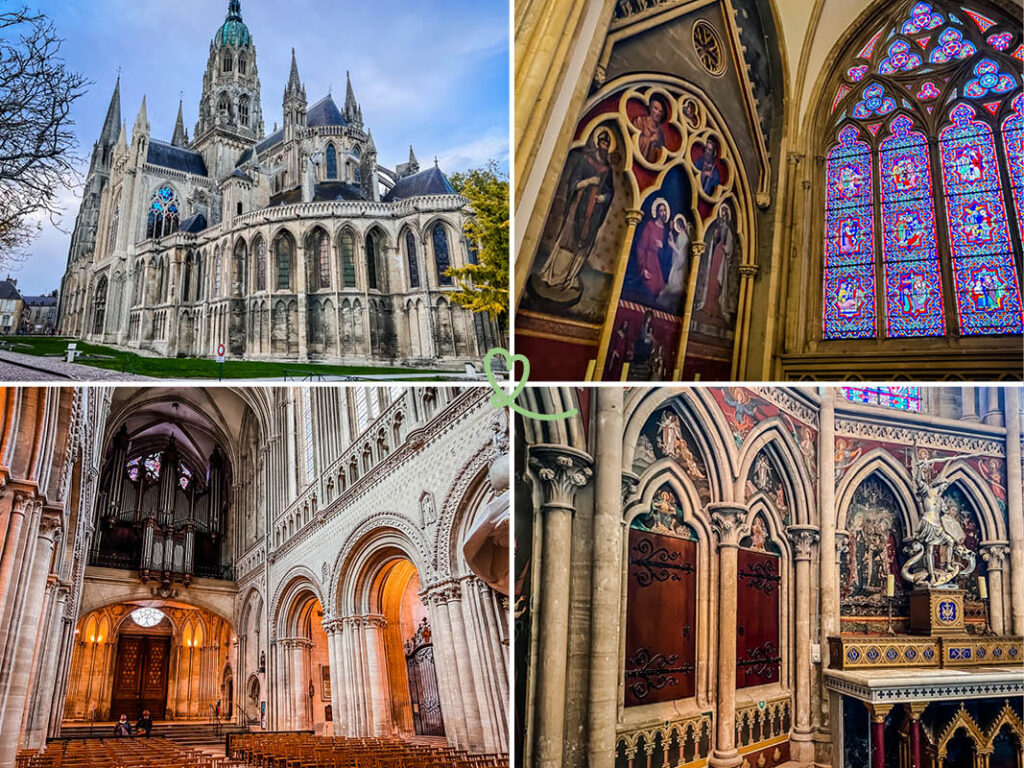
x: 751, y: 190
x: 770, y: 576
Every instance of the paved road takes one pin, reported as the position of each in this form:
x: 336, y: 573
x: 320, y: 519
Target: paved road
x: 17, y: 367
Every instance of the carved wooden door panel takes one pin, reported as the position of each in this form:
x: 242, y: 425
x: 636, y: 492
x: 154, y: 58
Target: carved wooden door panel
x: 661, y: 618
x: 757, y: 618
x: 423, y: 693
x: 140, y: 677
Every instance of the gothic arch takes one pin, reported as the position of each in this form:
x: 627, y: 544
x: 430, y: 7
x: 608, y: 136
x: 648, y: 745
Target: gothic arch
x: 886, y: 467
x: 295, y: 584
x: 983, y: 501
x: 566, y: 432
x: 773, y: 437
x: 466, y: 496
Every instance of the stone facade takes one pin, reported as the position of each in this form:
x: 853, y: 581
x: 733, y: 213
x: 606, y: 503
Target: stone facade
x: 293, y: 246
x: 322, y: 537
x: 681, y: 554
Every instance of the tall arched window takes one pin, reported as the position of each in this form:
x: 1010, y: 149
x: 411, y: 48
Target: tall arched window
x: 199, y: 276
x: 284, y: 250
x: 224, y: 105
x: 926, y: 136
x: 242, y: 64
x: 228, y: 61
x: 260, y: 249
x: 218, y: 265
x: 348, y: 261
x: 238, y: 269
x: 332, y: 162
x: 410, y: 252
x: 371, y: 261
x: 442, y: 256
x: 323, y: 251
x: 115, y: 221
x: 243, y: 111
x: 100, y: 305
x: 164, y: 213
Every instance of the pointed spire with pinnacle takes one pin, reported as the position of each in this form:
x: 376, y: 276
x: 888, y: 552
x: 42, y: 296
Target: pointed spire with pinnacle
x: 142, y: 121
x: 412, y: 157
x: 113, y: 121
x: 353, y: 113
x: 180, y: 138
x: 294, y: 81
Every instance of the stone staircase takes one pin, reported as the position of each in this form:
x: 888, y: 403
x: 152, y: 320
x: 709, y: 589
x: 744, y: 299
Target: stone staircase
x: 195, y: 735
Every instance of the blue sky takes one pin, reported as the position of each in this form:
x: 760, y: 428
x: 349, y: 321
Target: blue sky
x: 431, y: 73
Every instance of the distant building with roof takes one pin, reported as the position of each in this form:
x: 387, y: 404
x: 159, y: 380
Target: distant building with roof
x: 39, y: 315
x: 11, y: 306
x: 293, y: 246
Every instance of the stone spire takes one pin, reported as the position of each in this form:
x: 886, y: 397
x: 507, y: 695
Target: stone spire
x: 113, y: 121
x: 353, y: 112
x: 141, y: 122
x: 294, y: 87
x: 295, y: 104
x: 180, y: 138
x: 234, y: 10
x: 412, y: 157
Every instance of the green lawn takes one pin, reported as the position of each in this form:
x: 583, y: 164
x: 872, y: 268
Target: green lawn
x: 176, y: 368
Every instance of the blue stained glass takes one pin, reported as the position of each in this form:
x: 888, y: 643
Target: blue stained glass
x: 913, y: 281
x: 984, y: 273
x: 1013, y: 136
x: 901, y: 398
x: 442, y: 258
x: 332, y: 162
x: 875, y: 102
x: 849, y: 240
x: 899, y: 58
x: 184, y: 476
x: 988, y: 79
x: 952, y: 46
x: 410, y: 252
x: 921, y: 19
x: 133, y: 468
x: 152, y: 465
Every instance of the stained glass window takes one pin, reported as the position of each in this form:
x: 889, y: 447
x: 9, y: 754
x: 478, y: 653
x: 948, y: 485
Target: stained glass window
x: 114, y: 223
x: 152, y: 466
x: 348, y: 260
x: 261, y: 264
x: 184, y: 476
x: 284, y: 248
x: 913, y: 283
x: 932, y: 103
x: 324, y: 256
x: 164, y: 214
x: 371, y: 262
x: 849, y: 245
x: 147, y: 617
x: 442, y: 256
x: 901, y: 398
x: 332, y: 162
x: 133, y: 468
x: 410, y: 252
x: 984, y: 274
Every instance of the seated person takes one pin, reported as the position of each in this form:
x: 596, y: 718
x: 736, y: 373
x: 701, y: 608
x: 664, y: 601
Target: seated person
x: 144, y: 724
x: 123, y: 728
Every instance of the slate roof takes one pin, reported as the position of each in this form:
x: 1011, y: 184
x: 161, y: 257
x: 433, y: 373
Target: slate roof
x: 325, y: 112
x: 239, y: 174
x: 193, y: 224
x: 337, y: 190
x: 177, y: 159
x: 41, y: 301
x: 429, y: 182
x: 286, y: 198
x: 9, y: 290
x: 267, y: 143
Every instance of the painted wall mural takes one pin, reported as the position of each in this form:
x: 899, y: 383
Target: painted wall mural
x: 665, y: 436
x: 764, y: 478
x: 872, y: 551
x: 650, y: 174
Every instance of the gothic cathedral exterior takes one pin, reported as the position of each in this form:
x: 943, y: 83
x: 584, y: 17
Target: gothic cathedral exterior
x: 293, y: 246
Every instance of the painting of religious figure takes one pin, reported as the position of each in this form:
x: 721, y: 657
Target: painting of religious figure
x: 572, y: 273
x: 716, y: 297
x: 956, y: 505
x: 707, y: 161
x: 764, y: 478
x: 873, y: 550
x: 659, y: 263
x: 651, y: 126
x: 665, y: 435
x: 646, y: 339
x: 665, y: 516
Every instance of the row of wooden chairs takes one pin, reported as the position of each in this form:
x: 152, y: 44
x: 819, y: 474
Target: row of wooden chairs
x: 122, y: 753
x: 300, y: 750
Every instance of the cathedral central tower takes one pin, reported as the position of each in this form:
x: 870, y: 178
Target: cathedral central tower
x: 230, y: 112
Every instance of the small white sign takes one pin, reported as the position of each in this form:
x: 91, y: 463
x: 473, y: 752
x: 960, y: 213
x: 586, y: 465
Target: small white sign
x: 221, y: 352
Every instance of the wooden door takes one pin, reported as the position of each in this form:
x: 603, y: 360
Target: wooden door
x: 426, y: 700
x: 757, y: 618
x: 140, y: 677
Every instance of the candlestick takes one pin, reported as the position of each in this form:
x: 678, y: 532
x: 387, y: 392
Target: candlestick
x: 983, y: 591
x: 983, y: 587
x: 890, y: 585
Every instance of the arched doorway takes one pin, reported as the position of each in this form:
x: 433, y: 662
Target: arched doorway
x: 227, y: 696
x: 305, y: 701
x: 408, y: 649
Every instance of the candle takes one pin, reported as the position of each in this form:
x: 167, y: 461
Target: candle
x: 983, y: 587
x: 890, y: 585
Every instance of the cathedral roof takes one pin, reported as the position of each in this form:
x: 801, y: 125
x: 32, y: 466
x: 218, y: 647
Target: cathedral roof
x: 271, y: 140
x: 193, y: 224
x: 325, y: 112
x: 429, y: 182
x: 337, y: 190
x: 234, y: 31
x: 175, y: 158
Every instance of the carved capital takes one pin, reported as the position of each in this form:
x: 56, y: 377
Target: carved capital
x: 629, y: 483
x: 804, y: 539
x: 697, y: 249
x: 749, y: 270
x: 51, y: 525
x: 842, y: 542
x: 995, y: 555
x: 634, y: 217
x: 764, y: 201
x: 374, y: 620
x: 916, y: 708
x: 729, y: 522
x: 878, y: 712
x: 561, y: 471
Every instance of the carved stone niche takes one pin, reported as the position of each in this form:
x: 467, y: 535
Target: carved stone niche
x: 937, y: 612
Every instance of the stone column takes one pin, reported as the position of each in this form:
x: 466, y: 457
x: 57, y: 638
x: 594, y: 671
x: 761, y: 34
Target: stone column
x: 467, y: 671
x: 729, y: 522
x: 804, y: 537
x: 606, y: 589
x: 49, y: 532
x: 1015, y: 503
x: 878, y: 713
x: 560, y: 471
x: 11, y: 557
x: 994, y: 556
x: 334, y: 628
x: 446, y: 659
x: 968, y: 406
x: 373, y: 631
x: 46, y: 679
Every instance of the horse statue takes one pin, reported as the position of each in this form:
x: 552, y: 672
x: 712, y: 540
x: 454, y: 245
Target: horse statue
x: 935, y: 529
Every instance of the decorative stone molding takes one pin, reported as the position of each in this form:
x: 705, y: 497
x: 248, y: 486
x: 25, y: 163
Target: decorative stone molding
x: 373, y: 620
x: 51, y: 525
x: 995, y: 554
x: 630, y: 480
x: 789, y: 401
x: 842, y: 542
x: 804, y: 539
x: 922, y: 435
x: 749, y: 270
x: 729, y: 522
x: 561, y: 471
